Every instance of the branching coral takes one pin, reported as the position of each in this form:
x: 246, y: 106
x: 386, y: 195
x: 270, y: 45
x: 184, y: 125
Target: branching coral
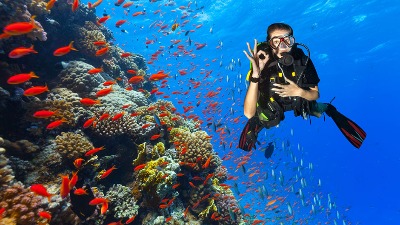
x: 6, y: 173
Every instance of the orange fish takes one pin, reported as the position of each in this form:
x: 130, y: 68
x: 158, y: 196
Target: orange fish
x: 139, y: 167
x: 104, y: 92
x: 55, y: 124
x: 20, y: 52
x: 119, y: 2
x: 207, y: 163
x: 78, y: 162
x: 73, y: 180
x: 44, y: 114
x: 104, y: 208
x: 158, y: 76
x: 89, y: 122
x: 40, y: 190
x: 94, y: 5
x: 45, y: 214
x: 126, y: 54
x: 131, y: 71
x: 64, y: 189
x: 37, y: 90
x: 103, y: 20
x: 64, y: 50
x: 21, y: 78
x: 176, y: 186
x: 136, y: 79
x: 98, y: 201
x: 102, y: 51
x: 118, y: 116
x: 94, y: 151
x: 271, y: 202
x: 138, y: 13
x: 19, y: 28
x: 130, y: 220
x: 105, y: 174
x: 89, y: 102
x: 75, y: 5
x: 109, y: 82
x: 50, y: 4
x: 119, y: 23
x: 104, y: 116
x: 126, y: 5
x: 155, y: 137
x: 80, y: 191
x: 95, y: 70
x: 100, y: 43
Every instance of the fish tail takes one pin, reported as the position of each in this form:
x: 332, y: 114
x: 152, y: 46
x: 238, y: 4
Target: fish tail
x: 33, y: 75
x: 72, y: 47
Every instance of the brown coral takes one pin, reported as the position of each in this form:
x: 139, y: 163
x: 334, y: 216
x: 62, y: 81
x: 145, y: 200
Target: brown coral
x: 21, y: 204
x: 197, y: 145
x: 71, y: 145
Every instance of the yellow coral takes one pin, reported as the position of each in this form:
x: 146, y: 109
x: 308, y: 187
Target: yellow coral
x: 211, y: 207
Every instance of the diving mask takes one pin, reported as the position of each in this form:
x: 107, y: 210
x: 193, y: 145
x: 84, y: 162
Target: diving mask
x: 285, y: 41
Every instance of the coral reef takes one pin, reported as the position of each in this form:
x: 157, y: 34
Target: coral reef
x: 76, y: 78
x: 21, y: 204
x: 6, y: 173
x: 198, y: 148
x: 71, y: 145
x: 122, y: 202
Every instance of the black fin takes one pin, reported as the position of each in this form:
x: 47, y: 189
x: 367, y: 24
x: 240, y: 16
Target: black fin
x: 354, y: 133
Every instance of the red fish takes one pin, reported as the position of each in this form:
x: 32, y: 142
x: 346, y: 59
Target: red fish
x: 64, y: 50
x: 98, y: 201
x: 109, y: 82
x: 105, y: 174
x: 95, y: 70
x: 64, y: 189
x: 75, y: 5
x: 126, y: 54
x: 20, y: 52
x: 80, y: 191
x: 89, y: 102
x: 44, y: 114
x: 104, y: 116
x: 130, y: 220
x: 73, y: 180
x: 102, y: 51
x: 104, y: 208
x: 55, y: 124
x: 50, y: 4
x: 103, y: 20
x: 139, y: 167
x: 21, y: 78
x: 155, y: 137
x: 89, y: 122
x: 131, y: 71
x: 119, y: 2
x: 45, y: 214
x: 94, y: 151
x: 118, y: 116
x: 19, y: 28
x: 126, y: 5
x: 136, y: 79
x: 40, y: 190
x: 37, y: 90
x: 78, y: 163
x: 100, y: 43
x: 119, y: 23
x: 158, y: 76
x: 207, y: 163
x: 104, y: 92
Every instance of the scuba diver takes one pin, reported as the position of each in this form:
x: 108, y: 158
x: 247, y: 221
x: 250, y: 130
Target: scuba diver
x: 282, y: 78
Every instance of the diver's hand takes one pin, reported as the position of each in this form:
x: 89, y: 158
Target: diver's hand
x: 254, y: 57
x: 287, y: 90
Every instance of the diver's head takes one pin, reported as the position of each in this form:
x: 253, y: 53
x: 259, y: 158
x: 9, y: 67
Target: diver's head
x: 280, y: 38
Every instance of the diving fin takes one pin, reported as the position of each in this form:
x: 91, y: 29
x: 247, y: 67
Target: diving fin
x: 349, y: 128
x: 248, y: 137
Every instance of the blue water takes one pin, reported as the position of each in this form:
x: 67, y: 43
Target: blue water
x: 354, y: 47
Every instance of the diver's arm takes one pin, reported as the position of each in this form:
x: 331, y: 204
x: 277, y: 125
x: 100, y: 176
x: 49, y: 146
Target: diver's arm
x: 310, y: 95
x: 250, y: 101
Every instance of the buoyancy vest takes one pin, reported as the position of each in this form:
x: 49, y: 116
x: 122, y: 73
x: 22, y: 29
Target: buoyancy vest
x: 270, y: 106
